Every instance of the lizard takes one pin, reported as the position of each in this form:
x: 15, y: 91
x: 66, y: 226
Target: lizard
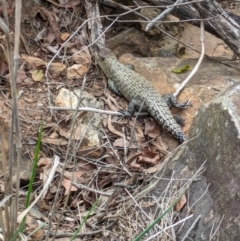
x: 136, y: 89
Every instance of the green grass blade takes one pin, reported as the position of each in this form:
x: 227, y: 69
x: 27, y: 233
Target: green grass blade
x: 84, y: 220
x: 30, y: 186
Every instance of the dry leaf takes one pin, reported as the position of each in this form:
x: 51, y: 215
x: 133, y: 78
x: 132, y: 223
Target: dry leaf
x: 152, y: 129
x: 149, y: 157
x: 57, y: 142
x: 21, y: 76
x: 44, y: 162
x: 111, y: 127
x: 64, y: 36
x: 182, y: 201
x: 68, y: 187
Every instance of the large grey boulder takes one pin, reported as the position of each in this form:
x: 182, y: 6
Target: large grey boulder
x: 214, y: 139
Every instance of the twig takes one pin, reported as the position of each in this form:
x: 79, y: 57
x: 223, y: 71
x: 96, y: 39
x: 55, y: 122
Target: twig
x: 89, y: 109
x: 198, y: 63
x: 175, y: 224
x: 162, y: 15
x: 81, y: 235
x: 212, y: 235
x: 191, y: 228
x: 79, y: 185
x: 18, y: 9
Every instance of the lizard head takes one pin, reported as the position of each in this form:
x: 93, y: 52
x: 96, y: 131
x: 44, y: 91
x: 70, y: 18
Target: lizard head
x: 101, y: 52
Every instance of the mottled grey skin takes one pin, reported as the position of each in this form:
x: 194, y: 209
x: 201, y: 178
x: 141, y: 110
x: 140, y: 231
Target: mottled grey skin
x: 135, y: 87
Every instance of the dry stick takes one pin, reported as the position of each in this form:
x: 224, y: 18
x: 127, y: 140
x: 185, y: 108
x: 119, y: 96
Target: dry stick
x: 3, y: 223
x: 191, y: 228
x: 14, y: 119
x: 89, y: 109
x: 212, y: 235
x: 175, y: 224
x: 143, y: 212
x: 162, y: 15
x: 18, y: 11
x: 9, y: 188
x: 79, y: 185
x: 198, y: 63
x: 81, y: 235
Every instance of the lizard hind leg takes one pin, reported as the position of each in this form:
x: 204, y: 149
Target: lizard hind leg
x: 133, y: 106
x: 171, y: 100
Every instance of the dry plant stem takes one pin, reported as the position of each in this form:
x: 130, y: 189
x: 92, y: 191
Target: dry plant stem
x: 4, y: 223
x: 6, y: 180
x: 192, y: 207
x: 45, y: 187
x: 9, y: 188
x: 191, y: 228
x: 212, y: 235
x: 175, y: 224
x: 140, y: 194
x: 81, y: 235
x: 67, y: 160
x: 89, y: 189
x: 143, y: 212
x: 18, y: 11
x: 89, y: 109
x: 14, y: 119
x: 162, y: 15
x: 117, y: 5
x: 196, y: 67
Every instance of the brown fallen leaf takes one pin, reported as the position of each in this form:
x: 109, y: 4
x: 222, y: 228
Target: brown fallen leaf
x: 21, y: 76
x: 180, y: 204
x: 44, y: 162
x: 67, y: 185
x: 135, y: 165
x: 64, y: 36
x: 51, y: 17
x: 152, y: 129
x: 112, y: 103
x: 149, y: 157
x: 3, y: 67
x: 133, y: 157
x: 56, y: 141
x: 112, y: 128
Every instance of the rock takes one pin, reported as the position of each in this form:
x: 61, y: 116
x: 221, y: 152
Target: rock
x: 214, y: 140
x: 87, y: 127
x: 129, y: 41
x: 201, y: 89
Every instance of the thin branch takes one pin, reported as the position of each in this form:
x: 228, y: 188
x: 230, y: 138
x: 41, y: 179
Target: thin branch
x: 191, y: 228
x: 162, y: 15
x: 197, y: 65
x: 89, y: 189
x: 89, y: 109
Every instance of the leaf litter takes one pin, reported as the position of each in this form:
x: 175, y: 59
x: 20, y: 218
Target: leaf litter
x: 131, y: 151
